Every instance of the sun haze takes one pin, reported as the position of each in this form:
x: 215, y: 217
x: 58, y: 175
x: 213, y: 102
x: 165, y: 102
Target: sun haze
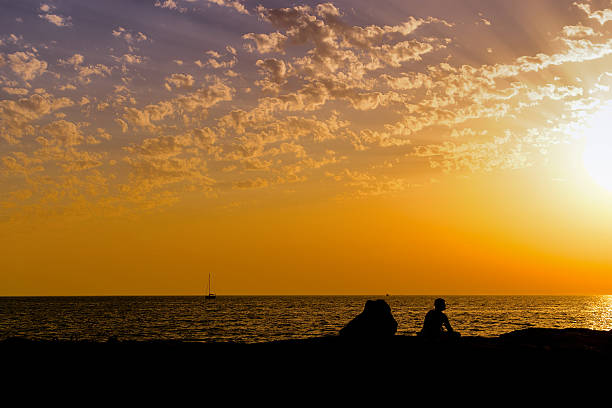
x: 351, y: 147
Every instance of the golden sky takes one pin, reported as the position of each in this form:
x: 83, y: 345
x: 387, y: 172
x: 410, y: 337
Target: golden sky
x: 354, y: 147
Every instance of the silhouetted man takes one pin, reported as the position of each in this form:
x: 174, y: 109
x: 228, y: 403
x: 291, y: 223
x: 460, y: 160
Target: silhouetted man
x: 436, y: 320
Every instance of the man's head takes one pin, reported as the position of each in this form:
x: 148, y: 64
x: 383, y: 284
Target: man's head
x: 439, y: 304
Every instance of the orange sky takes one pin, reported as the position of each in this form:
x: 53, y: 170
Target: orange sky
x: 325, y: 148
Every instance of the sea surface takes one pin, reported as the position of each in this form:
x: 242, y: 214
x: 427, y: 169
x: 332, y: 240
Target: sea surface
x: 265, y: 318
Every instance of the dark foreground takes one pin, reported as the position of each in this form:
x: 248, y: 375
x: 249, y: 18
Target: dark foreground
x: 522, y: 346
x: 526, y: 358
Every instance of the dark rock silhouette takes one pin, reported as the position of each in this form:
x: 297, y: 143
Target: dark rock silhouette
x: 539, y: 359
x: 376, y: 321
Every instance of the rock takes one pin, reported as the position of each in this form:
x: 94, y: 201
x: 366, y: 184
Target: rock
x: 567, y: 339
x: 376, y: 321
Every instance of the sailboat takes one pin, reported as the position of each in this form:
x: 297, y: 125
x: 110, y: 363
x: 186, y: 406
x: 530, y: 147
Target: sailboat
x: 210, y: 295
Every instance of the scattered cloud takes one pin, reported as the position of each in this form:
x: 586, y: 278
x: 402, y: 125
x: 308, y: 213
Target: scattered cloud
x: 26, y: 65
x: 169, y: 4
x: 602, y: 16
x: 303, y: 94
x: 129, y: 36
x: 55, y: 19
x: 236, y: 5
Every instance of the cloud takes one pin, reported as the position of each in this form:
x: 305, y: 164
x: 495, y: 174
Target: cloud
x: 204, y: 98
x: 199, y: 100
x: 123, y: 124
x: 75, y: 60
x: 19, y: 163
x: 396, y: 54
x: 216, y: 62
x: 364, y: 184
x: 275, y: 72
x: 85, y: 71
x: 15, y: 91
x: 408, y: 81
x: 59, y: 21
x: 317, y: 92
x: 129, y: 36
x: 146, y: 117
x: 554, y: 92
x: 579, y: 31
x: 130, y: 59
x: 332, y: 39
x: 251, y: 183
x: 236, y: 5
x: 169, y: 4
x: 577, y: 50
x: 15, y: 115
x: 179, y: 81
x: 501, y: 153
x: 266, y: 43
x: 61, y: 132
x: 163, y: 146
x: 602, y: 16
x: 152, y: 173
x: 26, y: 65
x: 10, y: 39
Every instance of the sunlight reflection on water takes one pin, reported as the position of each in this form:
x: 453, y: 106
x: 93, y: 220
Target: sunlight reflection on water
x: 264, y: 318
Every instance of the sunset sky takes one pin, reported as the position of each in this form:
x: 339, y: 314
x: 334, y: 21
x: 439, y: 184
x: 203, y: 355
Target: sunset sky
x: 353, y: 147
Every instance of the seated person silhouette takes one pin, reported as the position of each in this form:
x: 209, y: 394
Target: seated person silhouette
x: 436, y: 321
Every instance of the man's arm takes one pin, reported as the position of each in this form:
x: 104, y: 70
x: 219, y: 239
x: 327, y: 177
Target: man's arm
x: 446, y: 323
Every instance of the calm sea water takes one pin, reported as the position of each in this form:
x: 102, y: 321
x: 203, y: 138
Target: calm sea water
x: 265, y: 318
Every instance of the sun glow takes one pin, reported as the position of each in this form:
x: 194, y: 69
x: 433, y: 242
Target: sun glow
x: 597, y: 155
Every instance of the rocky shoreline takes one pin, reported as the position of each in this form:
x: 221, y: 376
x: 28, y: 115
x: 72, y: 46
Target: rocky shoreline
x: 531, y: 340
x: 525, y: 358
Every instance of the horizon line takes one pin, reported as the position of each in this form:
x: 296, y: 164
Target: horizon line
x: 318, y: 295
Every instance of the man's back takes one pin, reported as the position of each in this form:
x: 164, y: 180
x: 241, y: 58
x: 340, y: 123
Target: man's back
x: 434, y: 319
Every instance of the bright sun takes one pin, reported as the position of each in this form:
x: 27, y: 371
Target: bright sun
x: 597, y: 154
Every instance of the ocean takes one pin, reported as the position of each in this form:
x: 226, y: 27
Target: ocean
x: 267, y: 318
